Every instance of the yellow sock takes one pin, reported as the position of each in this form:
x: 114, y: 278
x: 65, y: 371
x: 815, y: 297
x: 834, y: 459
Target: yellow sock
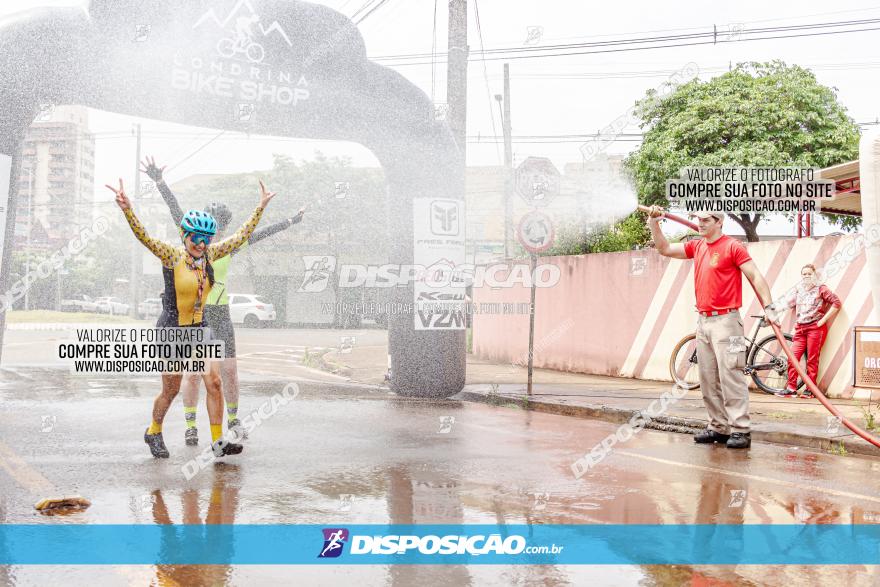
x: 155, y: 428
x: 216, y: 432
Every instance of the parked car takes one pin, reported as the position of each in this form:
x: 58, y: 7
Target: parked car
x: 111, y: 305
x: 82, y: 303
x: 251, y: 310
x: 150, y: 308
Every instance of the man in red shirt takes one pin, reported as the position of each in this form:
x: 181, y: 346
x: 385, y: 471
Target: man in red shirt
x: 719, y: 263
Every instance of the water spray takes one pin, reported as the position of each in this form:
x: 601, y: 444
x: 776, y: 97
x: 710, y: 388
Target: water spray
x: 783, y: 343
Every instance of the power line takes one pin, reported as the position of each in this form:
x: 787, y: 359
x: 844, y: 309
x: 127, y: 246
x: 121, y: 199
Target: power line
x: 226, y: 135
x: 434, y: 55
x: 639, y: 74
x: 642, y: 44
x: 361, y: 9
x: 486, y: 75
x: 238, y: 135
x: 343, y: 5
x: 707, y: 34
x: 372, y: 10
x: 629, y: 49
x: 740, y: 22
x: 191, y: 155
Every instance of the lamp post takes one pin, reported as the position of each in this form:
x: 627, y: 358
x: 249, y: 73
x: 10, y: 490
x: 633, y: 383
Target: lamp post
x: 508, y: 173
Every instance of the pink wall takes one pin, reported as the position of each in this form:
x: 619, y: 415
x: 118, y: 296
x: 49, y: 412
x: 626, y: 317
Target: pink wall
x: 604, y: 318
x: 585, y: 323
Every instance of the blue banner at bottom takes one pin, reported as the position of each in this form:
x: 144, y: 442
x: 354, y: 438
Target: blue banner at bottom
x: 73, y: 544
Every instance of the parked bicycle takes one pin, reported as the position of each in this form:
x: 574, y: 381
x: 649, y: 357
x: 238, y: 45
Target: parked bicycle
x: 766, y: 362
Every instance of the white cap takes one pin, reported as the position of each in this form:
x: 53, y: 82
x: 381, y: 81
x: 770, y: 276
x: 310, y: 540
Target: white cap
x: 718, y: 215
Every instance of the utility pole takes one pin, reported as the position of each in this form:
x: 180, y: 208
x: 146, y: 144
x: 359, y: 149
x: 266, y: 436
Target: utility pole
x: 456, y: 75
x: 30, y: 224
x: 136, y: 255
x: 508, y: 166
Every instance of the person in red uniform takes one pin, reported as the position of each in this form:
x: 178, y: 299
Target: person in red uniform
x: 815, y: 305
x: 719, y: 264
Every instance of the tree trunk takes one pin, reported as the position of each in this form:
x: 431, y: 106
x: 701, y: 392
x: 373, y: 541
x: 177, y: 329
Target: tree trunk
x: 749, y: 223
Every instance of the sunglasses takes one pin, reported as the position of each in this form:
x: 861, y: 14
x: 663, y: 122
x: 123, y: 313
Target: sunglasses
x: 200, y: 239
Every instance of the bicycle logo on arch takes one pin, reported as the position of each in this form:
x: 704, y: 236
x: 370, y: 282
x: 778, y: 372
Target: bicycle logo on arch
x: 242, y: 41
x: 242, y: 26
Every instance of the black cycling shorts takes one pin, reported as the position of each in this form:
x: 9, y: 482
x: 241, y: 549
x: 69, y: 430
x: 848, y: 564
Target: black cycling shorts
x: 220, y: 323
x: 169, y: 320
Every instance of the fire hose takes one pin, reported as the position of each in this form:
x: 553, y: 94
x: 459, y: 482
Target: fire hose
x: 791, y: 358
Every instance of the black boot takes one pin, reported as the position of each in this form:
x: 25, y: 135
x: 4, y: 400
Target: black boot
x: 708, y: 436
x: 740, y: 440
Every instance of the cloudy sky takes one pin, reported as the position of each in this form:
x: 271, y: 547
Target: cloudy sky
x: 554, y: 99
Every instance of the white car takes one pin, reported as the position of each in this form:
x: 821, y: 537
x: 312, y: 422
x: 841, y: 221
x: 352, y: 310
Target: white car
x: 111, y: 305
x: 81, y: 304
x: 251, y: 310
x: 150, y: 308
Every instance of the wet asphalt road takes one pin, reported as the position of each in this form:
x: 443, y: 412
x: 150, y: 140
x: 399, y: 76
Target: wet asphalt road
x: 342, y: 454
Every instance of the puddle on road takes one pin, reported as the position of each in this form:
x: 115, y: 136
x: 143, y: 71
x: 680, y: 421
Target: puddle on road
x: 362, y: 456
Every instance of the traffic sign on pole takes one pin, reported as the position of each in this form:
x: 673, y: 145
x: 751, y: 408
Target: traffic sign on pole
x: 537, y: 181
x: 535, y: 232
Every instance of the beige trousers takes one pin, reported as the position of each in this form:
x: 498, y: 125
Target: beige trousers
x: 722, y: 381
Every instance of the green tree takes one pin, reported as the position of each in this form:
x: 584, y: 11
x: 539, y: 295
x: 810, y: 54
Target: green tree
x: 92, y: 271
x: 628, y: 234
x: 41, y: 295
x: 358, y: 219
x: 758, y: 114
x: 351, y: 223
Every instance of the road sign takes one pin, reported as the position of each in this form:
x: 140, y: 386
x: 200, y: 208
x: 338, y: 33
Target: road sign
x: 535, y: 232
x: 537, y: 181
x: 866, y: 360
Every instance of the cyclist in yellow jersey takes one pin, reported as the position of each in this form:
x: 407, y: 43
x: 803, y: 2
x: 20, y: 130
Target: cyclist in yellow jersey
x: 188, y: 276
x: 216, y: 307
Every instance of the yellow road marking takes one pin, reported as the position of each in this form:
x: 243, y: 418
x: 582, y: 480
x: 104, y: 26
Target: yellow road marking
x: 22, y: 473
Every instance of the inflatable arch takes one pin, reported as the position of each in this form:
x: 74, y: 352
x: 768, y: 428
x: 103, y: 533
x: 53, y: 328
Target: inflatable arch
x: 304, y: 70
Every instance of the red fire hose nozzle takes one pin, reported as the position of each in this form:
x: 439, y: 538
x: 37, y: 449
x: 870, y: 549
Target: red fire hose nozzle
x: 658, y: 211
x: 655, y: 211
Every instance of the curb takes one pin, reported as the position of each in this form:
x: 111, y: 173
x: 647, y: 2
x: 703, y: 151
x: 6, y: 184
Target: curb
x: 850, y: 443
x: 325, y: 364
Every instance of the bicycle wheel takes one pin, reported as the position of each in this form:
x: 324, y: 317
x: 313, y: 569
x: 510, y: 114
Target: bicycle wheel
x: 768, y: 365
x: 683, y: 363
x: 255, y: 53
x: 226, y: 47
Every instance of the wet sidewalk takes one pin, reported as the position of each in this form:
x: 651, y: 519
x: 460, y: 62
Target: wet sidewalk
x: 793, y: 422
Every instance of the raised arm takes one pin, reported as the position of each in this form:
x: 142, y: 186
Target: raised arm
x: 232, y: 243
x: 165, y: 252
x: 156, y: 173
x: 228, y: 245
x: 259, y: 235
x: 663, y: 246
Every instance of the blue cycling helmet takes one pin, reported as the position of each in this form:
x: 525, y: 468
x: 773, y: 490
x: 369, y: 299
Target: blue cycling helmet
x: 199, y: 222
